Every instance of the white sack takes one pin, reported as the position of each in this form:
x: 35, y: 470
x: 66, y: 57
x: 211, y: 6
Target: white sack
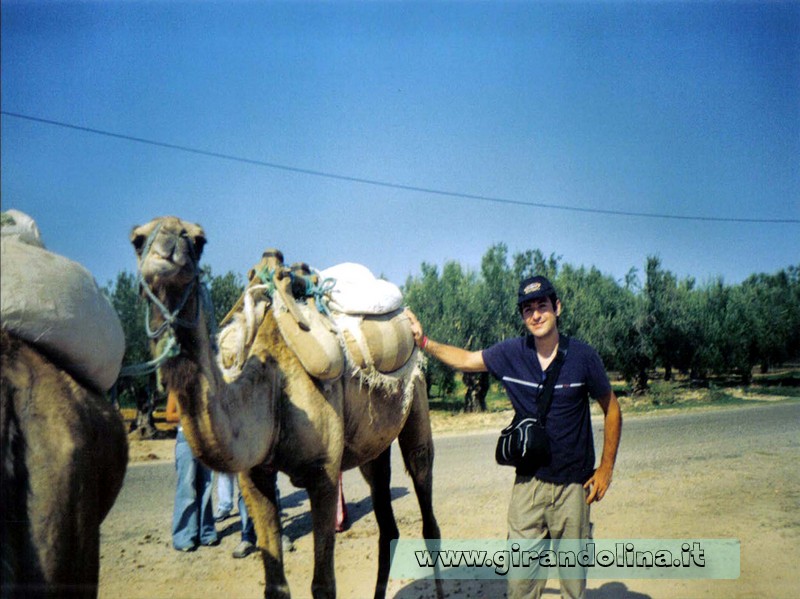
x: 55, y: 304
x: 21, y: 227
x: 357, y: 291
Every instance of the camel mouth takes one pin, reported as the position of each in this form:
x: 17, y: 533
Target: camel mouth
x: 169, y: 250
x: 157, y: 269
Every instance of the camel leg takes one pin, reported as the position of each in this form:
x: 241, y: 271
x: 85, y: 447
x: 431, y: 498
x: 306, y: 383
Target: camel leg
x: 258, y: 488
x: 416, y: 445
x: 378, y: 473
x: 323, y: 492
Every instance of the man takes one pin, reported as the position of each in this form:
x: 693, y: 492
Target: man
x: 552, y: 501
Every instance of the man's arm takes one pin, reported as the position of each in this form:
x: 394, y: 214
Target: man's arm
x: 612, y: 425
x: 173, y: 411
x: 455, y: 357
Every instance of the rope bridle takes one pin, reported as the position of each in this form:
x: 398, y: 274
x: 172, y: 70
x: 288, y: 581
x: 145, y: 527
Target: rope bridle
x: 172, y: 320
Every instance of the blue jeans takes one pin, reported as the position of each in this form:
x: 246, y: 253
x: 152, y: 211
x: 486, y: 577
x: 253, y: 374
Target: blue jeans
x: 192, y: 516
x: 225, y: 488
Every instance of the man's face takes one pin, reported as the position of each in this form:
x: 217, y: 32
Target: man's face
x: 540, y: 316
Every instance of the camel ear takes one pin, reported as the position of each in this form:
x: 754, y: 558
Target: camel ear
x: 196, y: 235
x: 199, y: 244
x: 138, y: 240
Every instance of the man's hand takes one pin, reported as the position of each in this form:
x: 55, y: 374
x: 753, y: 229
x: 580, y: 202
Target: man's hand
x: 598, y: 484
x: 416, y: 327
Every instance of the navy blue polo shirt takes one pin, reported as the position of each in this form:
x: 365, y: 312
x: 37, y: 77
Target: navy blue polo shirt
x: 569, y: 428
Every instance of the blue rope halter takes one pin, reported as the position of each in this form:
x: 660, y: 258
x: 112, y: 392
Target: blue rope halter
x: 172, y: 320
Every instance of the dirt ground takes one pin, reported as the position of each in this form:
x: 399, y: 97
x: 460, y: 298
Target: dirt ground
x: 753, y: 497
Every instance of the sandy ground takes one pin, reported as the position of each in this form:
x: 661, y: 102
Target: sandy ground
x: 753, y: 496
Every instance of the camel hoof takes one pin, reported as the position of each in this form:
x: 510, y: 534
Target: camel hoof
x: 278, y: 592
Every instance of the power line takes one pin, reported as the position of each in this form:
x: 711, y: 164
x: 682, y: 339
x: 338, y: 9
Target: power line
x: 387, y: 184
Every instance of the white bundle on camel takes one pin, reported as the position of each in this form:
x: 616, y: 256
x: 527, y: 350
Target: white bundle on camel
x: 368, y: 313
x: 361, y: 329
x: 357, y: 291
x: 56, y: 305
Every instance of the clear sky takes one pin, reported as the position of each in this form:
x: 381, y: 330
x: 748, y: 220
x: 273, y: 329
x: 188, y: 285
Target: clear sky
x: 687, y: 109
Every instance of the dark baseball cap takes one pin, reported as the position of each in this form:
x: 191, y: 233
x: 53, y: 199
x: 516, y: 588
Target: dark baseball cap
x: 533, y: 288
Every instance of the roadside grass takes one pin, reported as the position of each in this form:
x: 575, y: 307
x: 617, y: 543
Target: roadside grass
x: 681, y: 392
x: 447, y: 412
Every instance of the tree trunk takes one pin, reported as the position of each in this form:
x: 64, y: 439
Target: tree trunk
x: 144, y: 427
x: 477, y: 386
x: 641, y: 385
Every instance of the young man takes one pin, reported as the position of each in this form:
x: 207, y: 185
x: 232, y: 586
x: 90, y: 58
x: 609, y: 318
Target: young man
x: 552, y: 501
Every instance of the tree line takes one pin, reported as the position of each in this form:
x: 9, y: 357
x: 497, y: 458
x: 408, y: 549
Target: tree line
x: 125, y: 296
x: 638, y: 324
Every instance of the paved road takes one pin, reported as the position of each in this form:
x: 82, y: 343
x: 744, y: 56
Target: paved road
x: 466, y: 461
x: 725, y: 473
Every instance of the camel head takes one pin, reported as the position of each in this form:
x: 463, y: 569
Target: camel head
x: 168, y: 251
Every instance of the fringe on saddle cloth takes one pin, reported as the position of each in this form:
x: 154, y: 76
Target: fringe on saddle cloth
x: 378, y: 350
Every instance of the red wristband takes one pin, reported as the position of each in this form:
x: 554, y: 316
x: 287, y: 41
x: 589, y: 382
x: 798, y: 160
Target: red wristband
x: 424, y: 342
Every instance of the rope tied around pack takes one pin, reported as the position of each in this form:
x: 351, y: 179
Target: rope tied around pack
x: 321, y: 294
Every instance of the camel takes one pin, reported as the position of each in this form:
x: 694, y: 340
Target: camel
x: 64, y: 455
x: 274, y: 416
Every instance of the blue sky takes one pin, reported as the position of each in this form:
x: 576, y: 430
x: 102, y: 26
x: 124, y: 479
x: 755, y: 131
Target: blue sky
x: 670, y: 108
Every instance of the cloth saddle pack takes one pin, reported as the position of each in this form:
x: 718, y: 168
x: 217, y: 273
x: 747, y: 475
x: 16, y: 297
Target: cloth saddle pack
x: 56, y: 305
x: 332, y: 319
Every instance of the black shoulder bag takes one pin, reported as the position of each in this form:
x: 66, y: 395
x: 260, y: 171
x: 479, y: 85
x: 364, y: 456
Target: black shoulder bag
x: 523, y: 443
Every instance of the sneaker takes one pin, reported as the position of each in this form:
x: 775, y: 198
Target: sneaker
x: 243, y: 549
x: 213, y: 543
x: 187, y: 549
x: 220, y: 516
x: 286, y: 544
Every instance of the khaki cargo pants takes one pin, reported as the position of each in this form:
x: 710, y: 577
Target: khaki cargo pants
x: 541, y: 510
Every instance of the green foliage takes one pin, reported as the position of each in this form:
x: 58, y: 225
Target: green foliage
x: 663, y: 393
x: 636, y: 327
x: 124, y: 296
x: 665, y: 322
x: 131, y: 309
x: 717, y: 394
x: 225, y: 290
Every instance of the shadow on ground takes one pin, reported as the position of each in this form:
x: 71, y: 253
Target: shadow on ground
x: 496, y: 589
x: 300, y: 525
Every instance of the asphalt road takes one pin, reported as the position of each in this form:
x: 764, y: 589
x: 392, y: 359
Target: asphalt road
x: 466, y: 461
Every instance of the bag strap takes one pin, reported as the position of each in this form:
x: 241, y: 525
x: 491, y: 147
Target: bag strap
x: 551, y: 377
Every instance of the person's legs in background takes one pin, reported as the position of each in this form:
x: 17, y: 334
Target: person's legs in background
x: 204, y: 482
x: 224, y: 495
x: 248, y: 543
x: 185, y: 516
